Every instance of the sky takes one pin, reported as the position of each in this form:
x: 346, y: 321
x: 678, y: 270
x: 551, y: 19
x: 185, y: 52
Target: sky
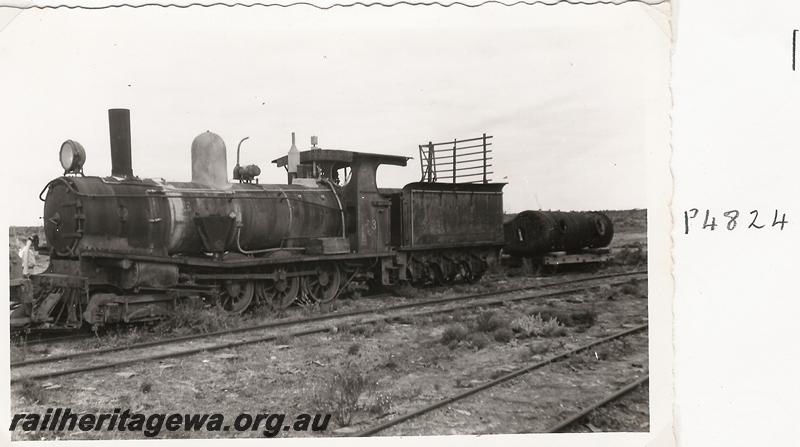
x: 568, y: 92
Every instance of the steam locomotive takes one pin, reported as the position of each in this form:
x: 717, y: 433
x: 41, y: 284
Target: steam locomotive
x: 125, y: 249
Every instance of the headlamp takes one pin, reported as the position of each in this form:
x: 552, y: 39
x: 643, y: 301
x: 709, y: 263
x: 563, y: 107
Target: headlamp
x: 72, y: 156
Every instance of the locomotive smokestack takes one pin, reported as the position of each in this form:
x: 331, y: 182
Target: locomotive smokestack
x: 119, y: 127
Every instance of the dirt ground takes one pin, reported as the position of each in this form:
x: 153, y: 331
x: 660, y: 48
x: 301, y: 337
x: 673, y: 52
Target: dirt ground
x: 367, y: 374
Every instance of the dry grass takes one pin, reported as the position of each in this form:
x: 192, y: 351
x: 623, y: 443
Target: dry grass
x: 283, y: 340
x: 536, y: 326
x: 454, y: 334
x: 406, y: 290
x: 503, y: 334
x: 478, y: 340
x: 19, y: 353
x: 582, y: 318
x: 540, y: 347
x: 491, y: 321
x: 365, y: 330
x: 380, y: 404
x: 340, y: 395
x: 629, y: 289
x: 633, y: 255
x: 480, y: 331
x: 190, y: 318
x: 634, y: 288
x: 32, y: 392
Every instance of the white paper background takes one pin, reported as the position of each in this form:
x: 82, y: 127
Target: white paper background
x: 736, y: 306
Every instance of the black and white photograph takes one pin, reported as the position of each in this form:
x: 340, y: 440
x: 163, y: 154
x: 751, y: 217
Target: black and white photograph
x: 323, y: 220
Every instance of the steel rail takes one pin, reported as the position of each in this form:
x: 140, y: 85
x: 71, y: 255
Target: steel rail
x: 561, y: 426
x: 323, y: 317
x: 379, y: 315
x: 381, y: 427
x: 65, y: 372
x: 43, y: 340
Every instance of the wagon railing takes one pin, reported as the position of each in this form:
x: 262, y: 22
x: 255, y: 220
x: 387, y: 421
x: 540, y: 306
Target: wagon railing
x: 457, y: 161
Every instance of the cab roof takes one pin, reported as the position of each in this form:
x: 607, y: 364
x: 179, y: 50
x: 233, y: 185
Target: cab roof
x: 344, y: 157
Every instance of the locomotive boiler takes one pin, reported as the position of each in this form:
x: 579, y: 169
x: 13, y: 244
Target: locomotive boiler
x: 153, y: 217
x: 125, y: 249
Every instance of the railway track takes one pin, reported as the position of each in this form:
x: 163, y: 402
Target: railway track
x: 44, y: 337
x: 322, y: 317
x: 619, y: 394
x: 513, y: 375
x: 41, y: 339
x: 330, y: 321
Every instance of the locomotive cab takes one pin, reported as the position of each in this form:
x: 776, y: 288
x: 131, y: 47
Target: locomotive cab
x: 367, y: 209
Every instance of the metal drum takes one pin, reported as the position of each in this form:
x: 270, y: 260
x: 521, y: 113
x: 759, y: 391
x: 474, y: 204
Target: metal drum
x: 538, y: 232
